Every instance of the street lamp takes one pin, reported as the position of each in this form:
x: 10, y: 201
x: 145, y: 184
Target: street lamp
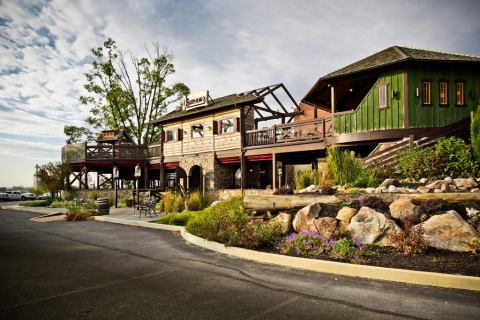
x: 138, y: 174
x: 115, y: 175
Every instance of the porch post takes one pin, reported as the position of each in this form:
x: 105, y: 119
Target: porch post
x: 86, y: 177
x: 146, y: 183
x: 243, y: 166
x: 332, y: 102
x: 274, y: 171
x: 162, y: 160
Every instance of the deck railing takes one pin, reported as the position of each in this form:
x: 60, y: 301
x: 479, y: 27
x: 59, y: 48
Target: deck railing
x: 300, y: 131
x: 82, y: 151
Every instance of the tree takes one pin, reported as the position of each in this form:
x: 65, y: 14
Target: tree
x: 475, y: 134
x: 78, y: 134
x: 127, y: 92
x: 53, y: 176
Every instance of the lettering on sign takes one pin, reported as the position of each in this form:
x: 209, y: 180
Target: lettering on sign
x: 196, y: 100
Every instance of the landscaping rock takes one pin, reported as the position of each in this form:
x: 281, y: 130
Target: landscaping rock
x: 437, y: 191
x: 381, y: 190
x: 448, y: 180
x: 475, y: 190
x: 214, y: 203
x: 285, y: 220
x: 370, y: 190
x: 465, y: 183
x: 449, y: 231
x: 326, y: 226
x: 462, y: 189
x: 409, y: 190
x: 310, y: 188
x: 303, y: 220
x: 392, y: 189
x: 423, y: 180
x: 342, y: 228
x: 435, y: 185
x: 369, y: 225
x: 389, y: 182
x: 346, y: 213
x: 423, y: 189
x: 445, y: 187
x: 404, y: 209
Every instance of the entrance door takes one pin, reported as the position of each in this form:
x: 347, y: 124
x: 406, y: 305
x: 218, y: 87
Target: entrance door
x: 195, y: 177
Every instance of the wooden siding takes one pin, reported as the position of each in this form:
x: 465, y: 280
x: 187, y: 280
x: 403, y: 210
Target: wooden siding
x: 435, y: 116
x: 368, y: 116
x: 209, y: 142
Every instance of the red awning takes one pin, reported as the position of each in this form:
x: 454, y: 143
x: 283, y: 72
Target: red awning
x: 230, y: 160
x: 171, y: 165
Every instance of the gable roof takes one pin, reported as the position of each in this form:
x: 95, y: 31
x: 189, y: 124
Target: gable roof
x: 398, y: 54
x: 114, y: 135
x: 224, y: 102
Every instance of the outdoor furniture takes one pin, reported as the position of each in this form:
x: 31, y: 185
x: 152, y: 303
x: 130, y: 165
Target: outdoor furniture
x: 147, y: 207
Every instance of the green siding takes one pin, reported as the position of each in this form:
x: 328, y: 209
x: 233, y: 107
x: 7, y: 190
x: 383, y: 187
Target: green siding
x: 434, y: 116
x: 368, y: 116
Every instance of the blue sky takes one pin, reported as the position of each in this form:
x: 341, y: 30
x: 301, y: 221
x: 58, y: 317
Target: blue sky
x: 223, y: 46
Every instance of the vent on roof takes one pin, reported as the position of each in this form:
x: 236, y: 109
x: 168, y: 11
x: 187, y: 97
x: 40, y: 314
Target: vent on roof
x: 196, y: 100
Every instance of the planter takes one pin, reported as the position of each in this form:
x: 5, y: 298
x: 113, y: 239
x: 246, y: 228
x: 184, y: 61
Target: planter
x: 129, y: 203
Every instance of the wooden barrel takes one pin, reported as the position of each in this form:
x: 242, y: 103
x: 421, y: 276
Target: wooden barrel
x: 103, y: 206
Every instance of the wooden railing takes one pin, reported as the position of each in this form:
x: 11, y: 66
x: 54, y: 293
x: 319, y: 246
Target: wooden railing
x: 154, y: 151
x: 300, y: 131
x: 79, y: 152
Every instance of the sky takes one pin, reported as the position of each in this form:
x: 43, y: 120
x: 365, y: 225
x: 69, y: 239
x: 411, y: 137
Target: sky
x: 224, y: 46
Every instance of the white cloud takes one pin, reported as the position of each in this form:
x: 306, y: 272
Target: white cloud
x: 224, y: 46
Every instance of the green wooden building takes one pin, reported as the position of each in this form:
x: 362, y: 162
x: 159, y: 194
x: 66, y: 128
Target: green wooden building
x: 396, y: 93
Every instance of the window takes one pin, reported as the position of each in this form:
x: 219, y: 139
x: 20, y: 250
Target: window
x: 443, y: 93
x: 460, y: 93
x: 172, y: 135
x: 427, y: 93
x: 382, y: 96
x: 197, y: 131
x: 226, y: 126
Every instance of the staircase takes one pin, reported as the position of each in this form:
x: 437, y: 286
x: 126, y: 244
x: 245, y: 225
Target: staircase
x: 387, y: 157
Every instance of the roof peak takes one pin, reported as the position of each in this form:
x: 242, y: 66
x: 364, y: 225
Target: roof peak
x: 400, y: 47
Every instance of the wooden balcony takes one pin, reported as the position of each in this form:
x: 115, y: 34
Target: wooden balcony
x: 315, y: 130
x: 82, y: 152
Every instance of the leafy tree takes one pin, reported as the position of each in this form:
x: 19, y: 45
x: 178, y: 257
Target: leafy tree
x: 127, y: 92
x: 53, y: 176
x: 475, y: 134
x: 78, y: 134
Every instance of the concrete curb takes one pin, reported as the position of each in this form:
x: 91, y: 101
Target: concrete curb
x: 344, y: 269
x: 38, y: 210
x: 143, y: 224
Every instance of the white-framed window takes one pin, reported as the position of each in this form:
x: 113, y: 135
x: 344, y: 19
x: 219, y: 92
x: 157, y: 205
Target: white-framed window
x: 172, y: 135
x: 226, y: 126
x: 460, y: 93
x: 443, y: 93
x: 197, y: 131
x: 382, y: 96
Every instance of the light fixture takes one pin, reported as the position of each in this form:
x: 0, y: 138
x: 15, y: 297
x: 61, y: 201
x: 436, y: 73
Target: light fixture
x: 115, y: 172
x: 351, y: 89
x: 138, y: 171
x: 417, y: 92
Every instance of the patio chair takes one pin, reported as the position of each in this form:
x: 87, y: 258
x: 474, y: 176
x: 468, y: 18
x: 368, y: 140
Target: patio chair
x: 148, y: 207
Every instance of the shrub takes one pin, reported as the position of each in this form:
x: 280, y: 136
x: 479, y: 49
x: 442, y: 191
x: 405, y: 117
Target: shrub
x: 178, y: 219
x: 79, y: 212
x: 197, y: 201
x: 343, y: 167
x: 228, y: 223
x: 172, y: 203
x: 36, y: 203
x: 450, y: 157
x: 410, y: 241
x: 375, y: 203
x: 475, y: 134
x: 306, y: 178
x: 59, y: 204
x: 314, y: 244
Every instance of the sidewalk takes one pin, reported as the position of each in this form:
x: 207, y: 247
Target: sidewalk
x: 127, y: 214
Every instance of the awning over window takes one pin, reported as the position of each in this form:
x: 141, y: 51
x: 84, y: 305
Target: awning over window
x: 171, y: 165
x: 230, y: 160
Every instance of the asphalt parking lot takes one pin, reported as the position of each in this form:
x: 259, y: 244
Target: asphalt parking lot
x: 95, y: 270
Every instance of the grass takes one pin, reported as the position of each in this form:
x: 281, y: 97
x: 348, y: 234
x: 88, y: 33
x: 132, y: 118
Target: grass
x: 36, y: 203
x: 178, y: 219
x: 306, y: 178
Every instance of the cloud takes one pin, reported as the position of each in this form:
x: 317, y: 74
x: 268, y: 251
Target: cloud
x: 224, y: 46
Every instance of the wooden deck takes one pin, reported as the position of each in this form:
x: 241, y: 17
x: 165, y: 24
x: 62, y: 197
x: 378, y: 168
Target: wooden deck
x: 83, y: 152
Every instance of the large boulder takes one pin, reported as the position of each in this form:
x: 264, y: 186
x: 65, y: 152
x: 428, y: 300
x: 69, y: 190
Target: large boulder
x: 449, y: 231
x: 423, y: 189
x: 285, y: 220
x: 404, y: 209
x: 368, y: 225
x: 326, y: 226
x: 465, y: 183
x: 346, y: 213
x: 389, y: 182
x: 303, y: 220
